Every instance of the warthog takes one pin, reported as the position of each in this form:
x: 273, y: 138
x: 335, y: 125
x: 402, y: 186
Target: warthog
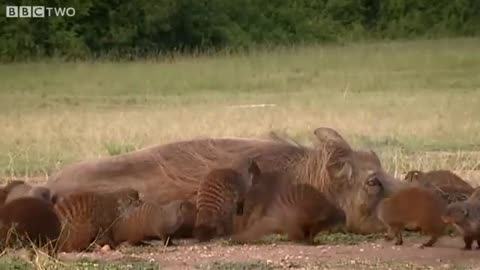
x: 354, y: 180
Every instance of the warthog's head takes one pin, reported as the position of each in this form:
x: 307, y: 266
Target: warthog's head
x: 358, y: 181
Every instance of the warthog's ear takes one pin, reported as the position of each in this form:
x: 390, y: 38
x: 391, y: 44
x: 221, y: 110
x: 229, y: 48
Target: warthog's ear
x: 341, y: 150
x: 331, y: 138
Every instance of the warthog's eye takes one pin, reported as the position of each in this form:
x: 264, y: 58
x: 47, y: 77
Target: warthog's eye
x: 373, y: 186
x: 374, y: 181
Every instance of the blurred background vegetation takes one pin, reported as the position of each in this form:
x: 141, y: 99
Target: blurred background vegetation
x: 123, y: 29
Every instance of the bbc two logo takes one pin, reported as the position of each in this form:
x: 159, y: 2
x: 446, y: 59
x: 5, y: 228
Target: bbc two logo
x: 38, y: 11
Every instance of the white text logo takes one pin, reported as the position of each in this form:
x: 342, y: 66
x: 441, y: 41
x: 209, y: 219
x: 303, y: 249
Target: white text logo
x: 38, y: 11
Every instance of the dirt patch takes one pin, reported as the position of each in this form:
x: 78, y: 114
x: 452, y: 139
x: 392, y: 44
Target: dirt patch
x: 188, y: 254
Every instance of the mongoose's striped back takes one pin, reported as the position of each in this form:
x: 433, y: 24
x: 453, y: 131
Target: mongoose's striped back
x: 151, y: 220
x: 220, y: 197
x: 275, y: 205
x: 88, y: 216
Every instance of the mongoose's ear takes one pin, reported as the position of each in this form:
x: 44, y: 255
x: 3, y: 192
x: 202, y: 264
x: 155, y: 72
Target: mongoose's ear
x: 465, y: 212
x: 54, y: 198
x: 253, y: 167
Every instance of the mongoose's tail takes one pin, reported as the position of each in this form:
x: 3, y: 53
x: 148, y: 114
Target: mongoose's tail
x: 204, y: 232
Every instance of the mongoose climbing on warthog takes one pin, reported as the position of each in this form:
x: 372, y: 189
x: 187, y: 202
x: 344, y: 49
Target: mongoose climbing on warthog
x: 151, y: 220
x: 438, y: 178
x: 220, y: 197
x: 88, y: 216
x: 449, y: 186
x: 413, y: 206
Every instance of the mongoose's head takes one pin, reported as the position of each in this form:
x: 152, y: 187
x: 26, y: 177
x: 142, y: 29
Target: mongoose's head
x: 127, y: 197
x: 186, y: 210
x: 248, y: 168
x: 456, y: 213
x: 412, y: 176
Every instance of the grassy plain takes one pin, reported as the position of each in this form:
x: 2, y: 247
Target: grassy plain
x: 416, y: 103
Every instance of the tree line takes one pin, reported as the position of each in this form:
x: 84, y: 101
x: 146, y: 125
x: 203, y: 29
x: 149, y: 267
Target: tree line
x: 123, y: 29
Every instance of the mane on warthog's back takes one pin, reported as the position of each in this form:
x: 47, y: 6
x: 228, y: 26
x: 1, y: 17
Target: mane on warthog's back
x: 195, y: 159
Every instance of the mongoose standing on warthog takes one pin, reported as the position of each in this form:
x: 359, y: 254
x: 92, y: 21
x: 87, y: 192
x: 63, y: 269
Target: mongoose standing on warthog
x: 275, y: 205
x: 151, y: 220
x: 413, y: 206
x: 465, y: 217
x: 438, y: 178
x: 18, y: 189
x: 88, y: 216
x: 446, y: 184
x: 29, y: 220
x: 220, y: 197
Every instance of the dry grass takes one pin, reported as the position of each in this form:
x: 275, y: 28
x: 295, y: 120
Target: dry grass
x: 416, y: 103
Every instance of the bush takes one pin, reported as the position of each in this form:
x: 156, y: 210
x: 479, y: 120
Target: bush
x: 128, y: 29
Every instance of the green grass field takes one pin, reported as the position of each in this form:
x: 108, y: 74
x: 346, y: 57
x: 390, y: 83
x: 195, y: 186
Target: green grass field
x: 416, y: 103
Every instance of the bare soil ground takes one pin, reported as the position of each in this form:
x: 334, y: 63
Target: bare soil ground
x: 379, y: 254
